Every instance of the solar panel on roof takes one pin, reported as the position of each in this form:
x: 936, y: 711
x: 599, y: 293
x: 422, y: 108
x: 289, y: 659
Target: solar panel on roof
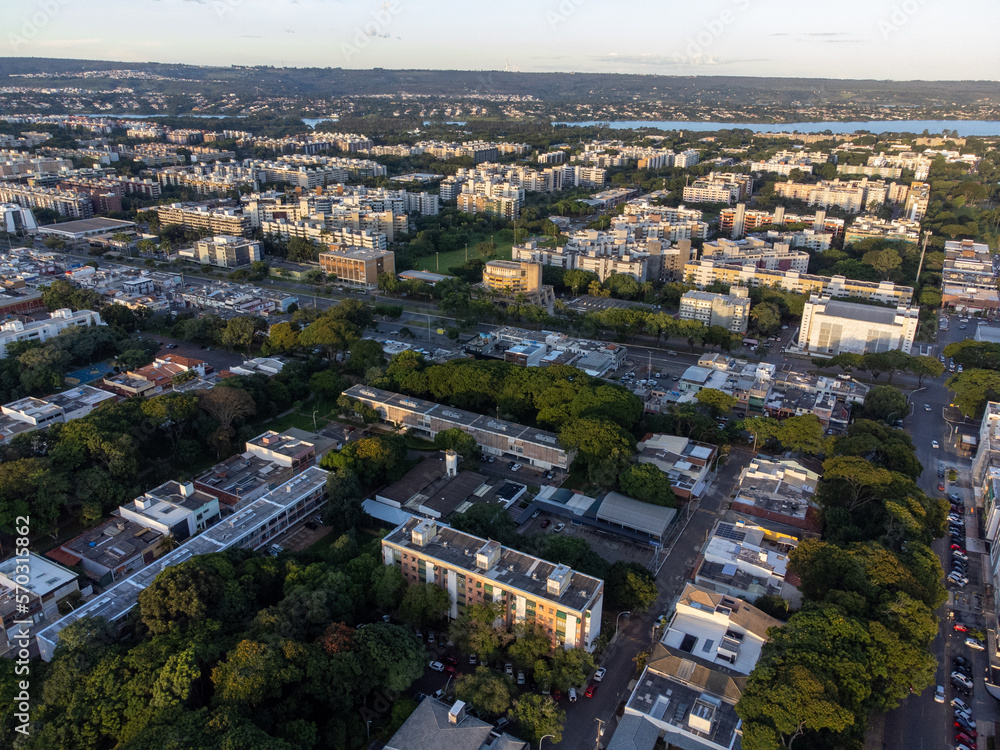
x: 729, y: 531
x: 728, y: 569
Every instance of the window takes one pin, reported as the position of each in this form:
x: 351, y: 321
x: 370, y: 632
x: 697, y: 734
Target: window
x: 707, y: 646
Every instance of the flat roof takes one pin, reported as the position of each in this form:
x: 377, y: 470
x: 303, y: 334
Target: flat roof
x: 44, y: 576
x: 621, y: 510
x: 87, y: 226
x: 865, y: 313
x: 514, y: 570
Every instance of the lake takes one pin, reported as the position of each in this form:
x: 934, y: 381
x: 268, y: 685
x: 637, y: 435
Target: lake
x: 964, y: 128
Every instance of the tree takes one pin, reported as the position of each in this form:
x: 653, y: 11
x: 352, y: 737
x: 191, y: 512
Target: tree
x: 762, y: 428
x: 459, y: 441
x: 630, y: 586
x: 537, y: 716
x: 489, y: 521
x: 226, y: 405
x: 891, y: 362
x: 647, y: 483
x: 283, y: 337
x: 861, y: 478
x: 391, y: 656
x: 485, y: 690
x: 239, y: 333
x: 603, y: 447
x: 365, y: 354
x: 251, y: 675
x: 531, y: 643
x: 767, y: 318
x: 327, y: 383
x: 885, y: 401
x: 884, y: 261
x: 476, y: 631
x: 973, y: 389
x: 802, y: 433
x: 343, y: 510
x: 388, y: 587
x: 570, y: 667
x: 373, y: 460
x: 716, y: 401
x: 330, y: 334
x: 424, y: 604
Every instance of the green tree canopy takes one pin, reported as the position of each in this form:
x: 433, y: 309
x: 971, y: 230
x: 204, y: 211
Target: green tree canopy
x: 647, y: 483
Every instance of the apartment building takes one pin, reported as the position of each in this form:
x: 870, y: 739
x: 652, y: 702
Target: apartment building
x: 831, y: 327
x: 786, y: 162
x: 705, y: 272
x: 219, y: 221
x: 175, y: 509
x: 17, y: 164
x: 39, y: 582
x: 969, y: 277
x: 319, y: 232
x: 227, y: 252
x: 873, y: 227
x: 43, y: 330
x: 566, y: 603
x: 64, y: 202
x: 496, y: 205
x: 686, y: 159
x: 602, y: 253
x: 495, y: 437
x: 252, y: 528
x: 719, y: 187
x: 918, y: 201
x: 854, y: 196
x: 919, y: 164
x: 358, y: 266
x: 739, y: 220
x: 756, y: 252
x: 731, y: 311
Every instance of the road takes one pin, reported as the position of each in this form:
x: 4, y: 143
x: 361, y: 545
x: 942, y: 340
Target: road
x: 636, y: 633
x: 920, y: 723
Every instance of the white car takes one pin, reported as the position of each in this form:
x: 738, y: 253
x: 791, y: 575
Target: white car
x: 975, y: 643
x: 961, y: 705
x: 962, y: 680
x: 939, y: 694
x: 559, y: 527
x: 599, y: 674
x: 436, y: 666
x: 927, y: 407
x: 934, y: 444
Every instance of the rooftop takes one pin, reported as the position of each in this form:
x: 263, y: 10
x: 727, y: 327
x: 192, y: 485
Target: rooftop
x: 113, y: 542
x: 864, y: 313
x: 44, y: 576
x: 431, y: 726
x: 514, y: 570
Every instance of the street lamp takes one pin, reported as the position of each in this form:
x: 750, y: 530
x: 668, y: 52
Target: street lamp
x: 628, y: 614
x: 314, y: 419
x: 543, y: 738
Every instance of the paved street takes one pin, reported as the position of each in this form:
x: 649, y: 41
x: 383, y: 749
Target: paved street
x: 636, y: 633
x: 920, y: 723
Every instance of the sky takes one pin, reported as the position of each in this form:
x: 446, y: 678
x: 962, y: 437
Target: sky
x: 881, y: 39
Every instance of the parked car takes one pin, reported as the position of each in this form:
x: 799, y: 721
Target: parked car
x: 557, y: 694
x: 599, y: 674
x: 589, y: 692
x: 961, y: 679
x: 959, y: 556
x: 959, y: 627
x: 520, y: 678
x: 954, y: 497
x: 934, y: 444
x: 559, y: 527
x: 940, y: 473
x: 927, y: 407
x: 960, y: 704
x: 508, y: 669
x: 500, y: 723
x: 545, y: 523
x: 515, y: 467
x: 661, y: 621
x: 436, y: 666
x: 572, y: 695
x: 450, y: 669
x: 963, y: 739
x: 473, y: 659
x: 451, y: 660
x: 965, y: 717
x: 958, y: 579
x: 962, y: 661
x: 975, y: 643
x: 940, y: 485
x: 957, y: 548
x: 964, y: 726
x: 939, y: 694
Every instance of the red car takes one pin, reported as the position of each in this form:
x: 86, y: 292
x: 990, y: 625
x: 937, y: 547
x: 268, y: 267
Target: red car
x: 450, y: 669
x: 940, y: 486
x: 958, y: 548
x: 557, y: 695
x: 970, y: 732
x: 451, y: 660
x: 545, y: 523
x: 965, y: 740
x: 960, y: 628
x: 589, y: 692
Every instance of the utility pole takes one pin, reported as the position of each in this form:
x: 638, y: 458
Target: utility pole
x: 600, y: 733
x: 920, y: 267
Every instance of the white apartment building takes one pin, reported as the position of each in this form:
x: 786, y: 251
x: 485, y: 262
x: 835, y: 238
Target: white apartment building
x: 226, y: 252
x: 756, y: 252
x: 731, y: 311
x: 16, y: 219
x: 602, y: 253
x: 43, y: 330
x: 719, y: 187
x: 831, y: 327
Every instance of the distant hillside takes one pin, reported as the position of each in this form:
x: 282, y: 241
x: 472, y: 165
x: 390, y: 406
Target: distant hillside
x: 549, y: 87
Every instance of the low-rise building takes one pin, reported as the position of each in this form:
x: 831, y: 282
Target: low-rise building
x: 566, y: 603
x: 495, y: 436
x: 969, y: 277
x: 31, y: 589
x: 779, y: 492
x: 43, y: 330
x: 358, y: 266
x: 27, y: 414
x: 831, y: 327
x: 873, y: 227
x: 434, y: 724
x: 744, y: 559
x: 250, y: 528
x: 756, y: 252
x: 173, y: 509
x: 686, y: 462
x: 225, y: 252
x: 731, y: 311
x: 111, y: 550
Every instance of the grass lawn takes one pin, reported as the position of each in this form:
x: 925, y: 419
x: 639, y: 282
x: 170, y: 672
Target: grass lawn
x: 419, y: 444
x: 457, y: 257
x: 298, y: 420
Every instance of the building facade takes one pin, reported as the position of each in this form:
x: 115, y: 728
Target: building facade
x: 832, y: 327
x: 731, y: 311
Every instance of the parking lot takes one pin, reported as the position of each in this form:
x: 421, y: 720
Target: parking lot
x: 219, y: 359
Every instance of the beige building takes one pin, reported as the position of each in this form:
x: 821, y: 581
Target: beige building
x: 358, y: 266
x: 833, y: 327
x: 224, y: 221
x: 731, y: 311
x: 512, y: 277
x: 567, y: 604
x: 705, y: 272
